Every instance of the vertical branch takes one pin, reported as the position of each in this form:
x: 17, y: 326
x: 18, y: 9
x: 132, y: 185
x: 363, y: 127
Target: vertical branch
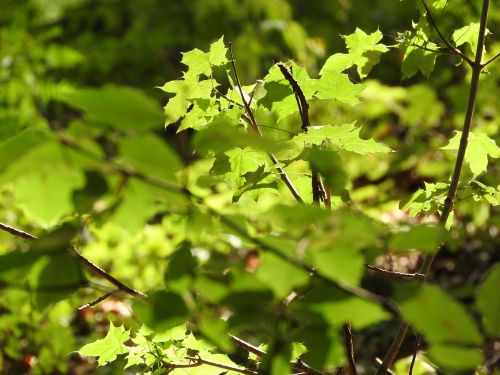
x: 284, y: 177
x: 349, y: 349
x: 318, y: 189
x: 414, y: 356
x: 477, y: 66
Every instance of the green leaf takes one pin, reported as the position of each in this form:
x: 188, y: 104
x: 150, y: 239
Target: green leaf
x: 455, y: 358
x: 164, y: 310
x: 418, y: 51
x: 107, y: 349
x: 345, y: 137
x: 329, y: 164
x: 337, y: 86
x: 216, y: 330
x: 444, y: 320
x: 199, y: 62
x: 338, y: 63
x: 217, y: 53
x: 337, y: 307
x: 120, y: 106
x: 186, y: 91
x: 284, y: 281
x: 365, y: 49
x: 342, y: 264
x: 428, y: 200
x: 44, y: 188
x: 488, y: 303
x: 55, y: 277
x: 223, y: 134
x: 423, y: 237
x: 148, y: 154
x: 478, y: 149
x: 467, y: 34
x: 180, y: 269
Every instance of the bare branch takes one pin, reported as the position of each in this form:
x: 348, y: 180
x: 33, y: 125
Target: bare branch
x: 87, y: 263
x: 349, y: 349
x: 483, y: 65
x: 16, y: 232
x: 397, y: 275
x: 414, y: 357
x: 198, y: 361
x: 97, y: 300
x: 297, y: 365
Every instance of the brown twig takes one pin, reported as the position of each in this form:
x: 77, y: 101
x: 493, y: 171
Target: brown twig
x: 397, y: 275
x: 299, y: 94
x: 318, y: 189
x: 87, y: 263
x: 198, y: 361
x: 414, y: 356
x: 16, y: 232
x: 490, y: 60
x: 97, y: 300
x: 452, y: 190
x: 284, y: 177
x: 453, y: 50
x: 349, y: 349
x: 297, y: 365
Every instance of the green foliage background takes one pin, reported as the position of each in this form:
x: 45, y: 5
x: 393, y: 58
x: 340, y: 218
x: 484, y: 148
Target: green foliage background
x: 93, y: 75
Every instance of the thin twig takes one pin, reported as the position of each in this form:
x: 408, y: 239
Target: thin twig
x: 16, y: 232
x: 297, y: 365
x: 97, y: 300
x: 87, y: 263
x: 318, y: 189
x: 490, y: 60
x: 349, y: 349
x: 414, y: 357
x: 452, y: 190
x: 198, y: 361
x: 284, y: 177
x: 299, y: 93
x: 397, y: 275
x: 453, y: 50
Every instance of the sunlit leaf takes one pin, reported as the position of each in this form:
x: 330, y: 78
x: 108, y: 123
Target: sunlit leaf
x: 107, y: 349
x: 480, y: 146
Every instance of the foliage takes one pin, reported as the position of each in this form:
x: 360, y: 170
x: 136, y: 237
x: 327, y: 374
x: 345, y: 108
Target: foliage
x: 247, y: 213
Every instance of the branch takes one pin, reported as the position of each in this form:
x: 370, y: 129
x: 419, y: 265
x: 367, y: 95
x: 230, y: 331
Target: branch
x: 453, y: 50
x: 397, y: 275
x: 318, y: 189
x: 349, y: 349
x: 98, y: 300
x: 284, y: 177
x: 297, y: 365
x: 413, y: 358
x: 490, y: 60
x: 452, y: 190
x: 200, y: 361
x: 87, y: 263
x: 299, y: 94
